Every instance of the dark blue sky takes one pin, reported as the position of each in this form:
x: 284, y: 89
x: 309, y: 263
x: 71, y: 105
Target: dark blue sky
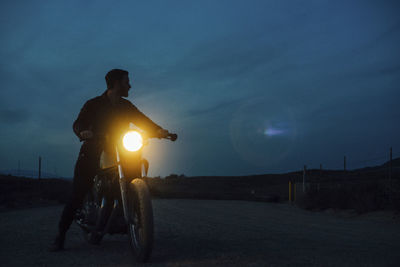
x: 250, y: 86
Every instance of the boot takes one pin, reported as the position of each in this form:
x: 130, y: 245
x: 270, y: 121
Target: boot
x: 58, y: 243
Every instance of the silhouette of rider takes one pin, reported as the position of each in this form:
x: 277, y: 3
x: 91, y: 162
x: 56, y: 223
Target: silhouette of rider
x: 100, y: 115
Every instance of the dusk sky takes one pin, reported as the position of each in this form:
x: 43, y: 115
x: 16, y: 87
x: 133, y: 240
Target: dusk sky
x: 250, y: 87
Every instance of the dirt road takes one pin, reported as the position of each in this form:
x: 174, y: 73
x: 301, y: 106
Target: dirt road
x: 212, y: 233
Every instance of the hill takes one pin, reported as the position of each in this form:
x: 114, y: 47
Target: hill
x: 22, y: 192
x: 28, y: 173
x: 325, y: 189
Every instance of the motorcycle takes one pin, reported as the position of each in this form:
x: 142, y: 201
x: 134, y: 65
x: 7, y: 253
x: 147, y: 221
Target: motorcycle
x: 119, y: 201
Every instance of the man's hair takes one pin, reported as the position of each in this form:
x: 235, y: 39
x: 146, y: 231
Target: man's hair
x: 114, y: 75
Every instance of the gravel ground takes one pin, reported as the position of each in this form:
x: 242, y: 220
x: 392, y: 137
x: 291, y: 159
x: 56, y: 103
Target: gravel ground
x: 213, y: 233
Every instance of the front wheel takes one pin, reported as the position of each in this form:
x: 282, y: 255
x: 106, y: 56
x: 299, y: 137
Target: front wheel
x: 141, y: 225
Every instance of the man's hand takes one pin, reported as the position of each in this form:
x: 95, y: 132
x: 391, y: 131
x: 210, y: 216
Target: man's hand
x: 162, y: 133
x: 87, y: 134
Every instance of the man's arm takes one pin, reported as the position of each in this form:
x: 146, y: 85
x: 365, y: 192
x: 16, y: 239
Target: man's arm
x: 142, y: 121
x: 82, y: 123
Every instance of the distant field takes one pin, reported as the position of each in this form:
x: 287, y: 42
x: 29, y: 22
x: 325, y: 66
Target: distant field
x: 191, y: 232
x: 20, y: 192
x: 363, y: 190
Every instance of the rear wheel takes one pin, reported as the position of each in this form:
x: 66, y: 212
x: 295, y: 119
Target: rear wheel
x: 141, y: 227
x: 91, y: 213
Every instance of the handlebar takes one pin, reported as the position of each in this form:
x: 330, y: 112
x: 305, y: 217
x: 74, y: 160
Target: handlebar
x: 102, y: 136
x: 172, y: 137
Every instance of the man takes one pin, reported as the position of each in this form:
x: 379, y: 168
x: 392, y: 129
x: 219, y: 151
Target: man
x: 100, y: 115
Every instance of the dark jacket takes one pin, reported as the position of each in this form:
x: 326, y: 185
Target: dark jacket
x: 101, y: 117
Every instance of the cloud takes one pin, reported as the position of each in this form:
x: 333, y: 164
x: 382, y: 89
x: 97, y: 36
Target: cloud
x: 388, y: 70
x: 220, y: 60
x: 229, y: 57
x: 13, y: 116
x: 383, y: 37
x: 212, y: 109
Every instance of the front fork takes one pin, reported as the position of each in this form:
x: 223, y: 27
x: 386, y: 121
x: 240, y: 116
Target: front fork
x: 124, y: 189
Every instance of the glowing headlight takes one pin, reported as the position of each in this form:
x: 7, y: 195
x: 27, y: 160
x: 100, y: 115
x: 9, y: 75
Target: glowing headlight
x: 132, y: 141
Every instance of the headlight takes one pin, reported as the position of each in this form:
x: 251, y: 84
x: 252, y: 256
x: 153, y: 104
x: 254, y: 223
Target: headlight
x: 132, y: 141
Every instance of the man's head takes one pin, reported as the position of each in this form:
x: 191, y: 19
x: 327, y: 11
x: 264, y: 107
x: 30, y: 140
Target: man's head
x: 118, y: 80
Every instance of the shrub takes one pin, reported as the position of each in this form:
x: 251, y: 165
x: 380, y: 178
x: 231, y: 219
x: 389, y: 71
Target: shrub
x: 362, y: 197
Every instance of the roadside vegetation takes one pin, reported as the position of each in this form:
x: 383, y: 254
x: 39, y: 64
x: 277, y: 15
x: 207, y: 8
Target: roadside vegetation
x: 361, y: 196
x: 21, y: 192
x: 362, y: 190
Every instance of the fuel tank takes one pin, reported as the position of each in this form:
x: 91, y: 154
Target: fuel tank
x: 107, y: 160
x: 131, y: 162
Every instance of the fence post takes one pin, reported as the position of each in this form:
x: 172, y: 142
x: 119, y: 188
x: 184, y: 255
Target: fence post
x: 320, y: 177
x: 40, y: 167
x: 390, y: 165
x: 304, y: 178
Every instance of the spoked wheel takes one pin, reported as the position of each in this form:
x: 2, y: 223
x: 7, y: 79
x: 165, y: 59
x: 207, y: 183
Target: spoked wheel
x: 141, y: 227
x: 89, y: 211
x: 89, y: 216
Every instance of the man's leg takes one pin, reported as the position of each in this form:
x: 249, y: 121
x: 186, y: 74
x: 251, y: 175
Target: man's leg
x: 85, y: 170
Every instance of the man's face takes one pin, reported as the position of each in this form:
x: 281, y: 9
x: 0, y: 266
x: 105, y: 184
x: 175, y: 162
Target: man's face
x: 123, y: 86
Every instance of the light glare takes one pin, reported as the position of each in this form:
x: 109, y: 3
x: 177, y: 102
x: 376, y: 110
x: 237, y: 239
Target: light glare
x: 273, y: 131
x: 132, y: 141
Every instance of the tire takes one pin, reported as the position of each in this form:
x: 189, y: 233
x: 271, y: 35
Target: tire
x: 141, y: 230
x: 88, y: 215
x: 92, y: 213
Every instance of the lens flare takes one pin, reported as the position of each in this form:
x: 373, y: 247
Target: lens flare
x: 273, y: 131
x: 132, y: 141
x: 263, y: 131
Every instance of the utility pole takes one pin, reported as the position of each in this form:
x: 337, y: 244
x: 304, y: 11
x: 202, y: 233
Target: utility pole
x: 390, y: 165
x: 304, y: 178
x: 40, y: 166
x: 344, y: 163
x: 19, y: 168
x: 320, y: 176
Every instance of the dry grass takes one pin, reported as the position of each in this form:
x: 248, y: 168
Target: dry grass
x: 361, y: 196
x: 19, y: 192
x: 335, y: 191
